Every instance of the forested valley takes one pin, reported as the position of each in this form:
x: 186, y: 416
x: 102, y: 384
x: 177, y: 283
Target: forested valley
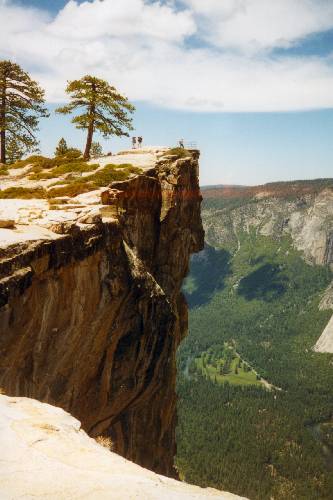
x: 255, y: 401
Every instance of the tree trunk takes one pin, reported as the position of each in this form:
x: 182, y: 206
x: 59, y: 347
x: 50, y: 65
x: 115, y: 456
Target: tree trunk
x: 2, y: 130
x: 92, y: 111
x: 86, y: 155
x: 3, y: 147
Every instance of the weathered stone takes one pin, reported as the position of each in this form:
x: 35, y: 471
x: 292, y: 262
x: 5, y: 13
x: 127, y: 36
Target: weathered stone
x: 7, y: 223
x: 110, y: 211
x: 60, y: 200
x: 65, y: 228
x: 110, y: 196
x: 45, y: 454
x: 90, y: 219
x: 41, y: 264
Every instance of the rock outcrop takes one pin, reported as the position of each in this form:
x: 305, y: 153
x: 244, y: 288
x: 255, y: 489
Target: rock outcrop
x: 91, y: 309
x: 45, y: 454
x: 326, y: 302
x: 325, y: 341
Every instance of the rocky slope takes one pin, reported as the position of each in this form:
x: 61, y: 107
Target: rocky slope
x: 46, y: 454
x: 91, y: 311
x: 304, y: 214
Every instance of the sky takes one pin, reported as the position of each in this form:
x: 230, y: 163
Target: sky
x: 250, y: 81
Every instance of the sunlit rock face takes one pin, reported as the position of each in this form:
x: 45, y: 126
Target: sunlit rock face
x: 91, y: 309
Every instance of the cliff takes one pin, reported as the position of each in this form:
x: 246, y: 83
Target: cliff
x: 46, y: 454
x: 91, y: 306
x: 302, y: 210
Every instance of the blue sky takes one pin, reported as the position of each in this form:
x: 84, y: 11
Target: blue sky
x: 252, y: 86
x: 236, y: 148
x: 50, y: 5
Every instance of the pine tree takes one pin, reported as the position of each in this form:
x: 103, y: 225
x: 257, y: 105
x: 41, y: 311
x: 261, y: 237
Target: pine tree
x: 13, y: 151
x: 96, y: 150
x: 21, y: 104
x: 61, y: 148
x: 102, y: 108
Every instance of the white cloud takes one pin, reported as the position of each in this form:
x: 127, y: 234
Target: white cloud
x: 140, y: 47
x: 119, y: 18
x: 256, y: 25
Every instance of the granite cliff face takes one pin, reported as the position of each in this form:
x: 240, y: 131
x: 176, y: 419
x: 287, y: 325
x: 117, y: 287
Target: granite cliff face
x: 91, y: 305
x: 306, y: 216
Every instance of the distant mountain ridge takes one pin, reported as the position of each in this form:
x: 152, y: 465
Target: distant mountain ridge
x: 281, y: 189
x: 302, y: 209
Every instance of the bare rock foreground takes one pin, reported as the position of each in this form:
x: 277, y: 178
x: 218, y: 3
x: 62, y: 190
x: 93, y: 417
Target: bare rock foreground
x: 45, y: 454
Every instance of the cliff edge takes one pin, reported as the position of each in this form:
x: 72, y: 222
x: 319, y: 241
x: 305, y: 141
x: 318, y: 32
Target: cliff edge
x: 91, y: 309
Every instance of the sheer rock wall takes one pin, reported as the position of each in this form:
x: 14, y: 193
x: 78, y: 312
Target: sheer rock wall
x: 91, y: 317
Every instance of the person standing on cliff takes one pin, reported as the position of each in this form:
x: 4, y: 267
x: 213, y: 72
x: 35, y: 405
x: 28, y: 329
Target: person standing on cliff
x: 140, y: 142
x: 133, y: 142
